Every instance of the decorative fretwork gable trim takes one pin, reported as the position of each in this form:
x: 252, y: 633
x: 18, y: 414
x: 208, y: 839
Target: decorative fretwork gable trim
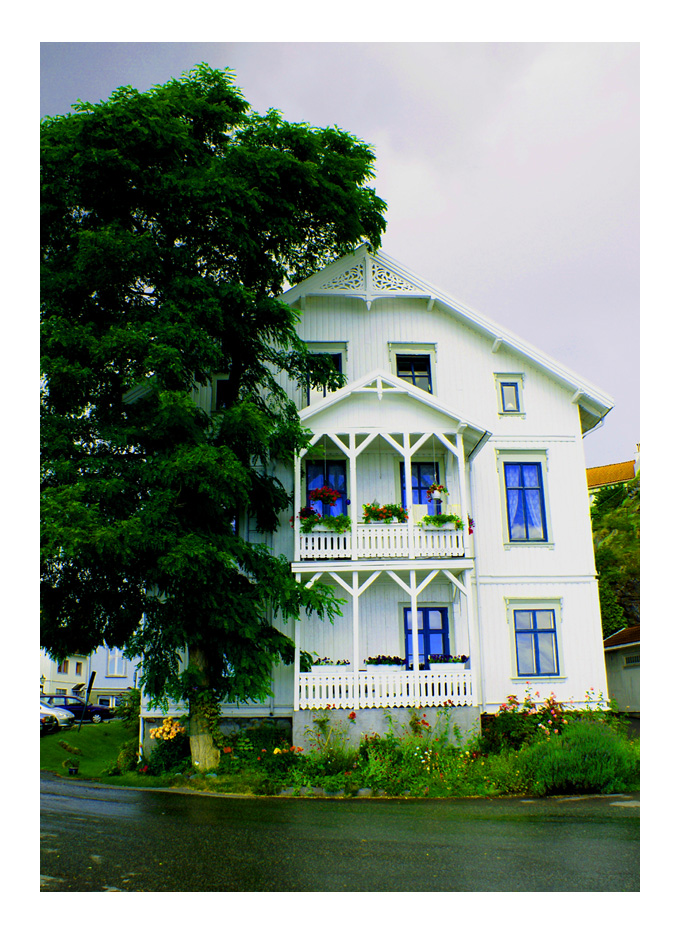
x: 367, y: 279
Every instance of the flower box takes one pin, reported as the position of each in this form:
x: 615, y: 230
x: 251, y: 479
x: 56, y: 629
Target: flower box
x: 330, y: 670
x: 447, y: 666
x: 379, y: 668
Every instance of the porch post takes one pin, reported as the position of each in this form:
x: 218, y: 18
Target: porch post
x: 408, y: 491
x: 296, y: 664
x: 355, y: 634
x: 415, y: 653
x: 297, y: 506
x: 353, y: 506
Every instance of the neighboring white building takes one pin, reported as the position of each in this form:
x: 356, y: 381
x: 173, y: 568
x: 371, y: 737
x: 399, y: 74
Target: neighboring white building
x: 622, y: 659
x: 437, y: 393
x: 114, y: 675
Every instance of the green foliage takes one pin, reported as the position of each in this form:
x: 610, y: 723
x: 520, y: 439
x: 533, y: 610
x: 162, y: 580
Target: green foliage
x: 339, y: 523
x: 129, y: 708
x: 171, y: 220
x: 615, y: 519
x: 384, y: 514
x: 589, y: 756
x: 169, y: 755
x: 442, y: 519
x: 517, y: 724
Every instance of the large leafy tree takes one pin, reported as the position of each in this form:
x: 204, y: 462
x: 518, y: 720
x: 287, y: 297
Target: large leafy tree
x: 615, y: 519
x: 171, y: 220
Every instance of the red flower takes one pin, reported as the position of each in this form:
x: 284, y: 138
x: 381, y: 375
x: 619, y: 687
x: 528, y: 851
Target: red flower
x: 352, y: 715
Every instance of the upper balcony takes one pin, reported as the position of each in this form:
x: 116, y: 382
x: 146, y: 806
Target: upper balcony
x: 381, y: 541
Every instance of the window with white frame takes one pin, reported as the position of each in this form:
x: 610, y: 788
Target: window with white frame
x: 525, y: 513
x: 115, y: 663
x: 414, y: 363
x: 535, y: 627
x: 62, y: 668
x: 337, y: 351
x: 510, y: 394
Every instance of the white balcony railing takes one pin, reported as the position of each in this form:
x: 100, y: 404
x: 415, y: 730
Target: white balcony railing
x: 382, y: 540
x: 388, y: 688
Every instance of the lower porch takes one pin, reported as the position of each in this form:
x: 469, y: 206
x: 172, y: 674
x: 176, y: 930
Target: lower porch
x: 384, y: 688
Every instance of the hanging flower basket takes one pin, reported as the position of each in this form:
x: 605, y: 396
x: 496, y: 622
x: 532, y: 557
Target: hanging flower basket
x: 436, y: 492
x: 327, y: 495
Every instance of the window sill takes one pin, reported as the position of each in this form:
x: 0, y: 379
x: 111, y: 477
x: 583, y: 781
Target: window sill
x: 538, y: 678
x: 529, y: 544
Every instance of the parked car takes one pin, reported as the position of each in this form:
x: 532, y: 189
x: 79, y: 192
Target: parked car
x: 76, y: 706
x: 48, y: 723
x: 65, y: 718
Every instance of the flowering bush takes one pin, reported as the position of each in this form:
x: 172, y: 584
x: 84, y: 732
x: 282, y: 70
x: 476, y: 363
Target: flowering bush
x: 172, y: 749
x: 326, y: 495
x: 168, y: 730
x: 384, y: 514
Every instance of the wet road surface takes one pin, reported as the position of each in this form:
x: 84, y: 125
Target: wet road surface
x: 96, y: 839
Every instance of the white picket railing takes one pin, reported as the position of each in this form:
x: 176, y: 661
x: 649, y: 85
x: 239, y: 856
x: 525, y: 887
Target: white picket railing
x: 390, y: 688
x: 382, y: 540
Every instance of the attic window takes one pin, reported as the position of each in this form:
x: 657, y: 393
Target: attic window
x: 415, y: 369
x: 509, y: 393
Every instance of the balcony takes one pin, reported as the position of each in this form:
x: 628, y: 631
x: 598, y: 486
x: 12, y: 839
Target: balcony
x: 384, y: 688
x: 381, y: 541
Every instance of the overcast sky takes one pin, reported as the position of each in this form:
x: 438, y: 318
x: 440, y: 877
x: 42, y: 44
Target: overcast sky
x: 510, y: 171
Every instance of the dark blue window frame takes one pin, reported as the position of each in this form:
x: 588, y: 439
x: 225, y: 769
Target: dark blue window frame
x: 423, y: 474
x: 525, y: 502
x: 513, y: 389
x: 328, y: 474
x: 536, y: 642
x: 432, y: 639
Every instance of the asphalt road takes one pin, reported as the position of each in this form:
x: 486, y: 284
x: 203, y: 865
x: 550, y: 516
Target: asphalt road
x: 96, y: 839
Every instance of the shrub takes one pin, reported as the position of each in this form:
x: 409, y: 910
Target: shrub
x: 589, y: 756
x: 169, y: 755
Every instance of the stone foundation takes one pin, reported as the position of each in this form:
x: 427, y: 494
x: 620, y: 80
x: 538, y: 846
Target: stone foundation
x: 464, y: 719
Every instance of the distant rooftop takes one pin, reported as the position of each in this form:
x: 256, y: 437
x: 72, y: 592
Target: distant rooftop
x: 610, y: 474
x: 624, y: 637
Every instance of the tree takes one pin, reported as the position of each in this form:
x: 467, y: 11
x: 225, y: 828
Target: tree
x: 171, y: 220
x: 615, y: 517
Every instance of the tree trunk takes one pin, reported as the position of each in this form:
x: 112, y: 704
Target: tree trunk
x: 205, y: 755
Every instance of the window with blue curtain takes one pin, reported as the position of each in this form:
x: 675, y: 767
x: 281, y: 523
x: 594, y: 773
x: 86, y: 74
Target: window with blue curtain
x: 423, y: 474
x: 536, y: 642
x: 433, y: 633
x: 525, y: 502
x: 328, y: 474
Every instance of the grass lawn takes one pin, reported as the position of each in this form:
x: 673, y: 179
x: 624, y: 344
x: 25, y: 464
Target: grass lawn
x: 98, y: 744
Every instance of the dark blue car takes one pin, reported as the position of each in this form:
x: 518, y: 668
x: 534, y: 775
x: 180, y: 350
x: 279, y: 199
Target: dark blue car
x: 93, y: 712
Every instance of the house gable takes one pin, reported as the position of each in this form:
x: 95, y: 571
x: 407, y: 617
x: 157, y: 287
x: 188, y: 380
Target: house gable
x: 371, y: 276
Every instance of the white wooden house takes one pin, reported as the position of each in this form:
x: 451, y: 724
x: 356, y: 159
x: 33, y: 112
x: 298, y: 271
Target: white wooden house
x: 436, y: 393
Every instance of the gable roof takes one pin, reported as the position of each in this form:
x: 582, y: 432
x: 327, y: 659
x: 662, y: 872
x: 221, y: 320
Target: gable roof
x: 369, y: 275
x: 381, y: 383
x: 629, y: 636
x: 610, y: 474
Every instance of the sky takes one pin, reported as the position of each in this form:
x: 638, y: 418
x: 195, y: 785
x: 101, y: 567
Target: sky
x: 510, y: 170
